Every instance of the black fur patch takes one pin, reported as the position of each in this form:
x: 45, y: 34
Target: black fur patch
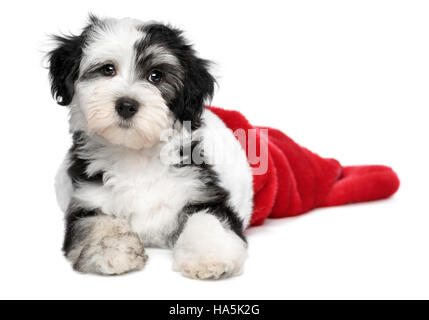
x: 64, y: 63
x: 218, y: 203
x: 78, y: 166
x: 75, y: 234
x: 197, y: 83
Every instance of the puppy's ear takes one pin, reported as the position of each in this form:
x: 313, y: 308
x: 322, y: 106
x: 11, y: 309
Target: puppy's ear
x: 64, y: 63
x: 198, y: 87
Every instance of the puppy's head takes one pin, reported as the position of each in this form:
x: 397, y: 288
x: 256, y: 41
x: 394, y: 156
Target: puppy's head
x: 128, y: 81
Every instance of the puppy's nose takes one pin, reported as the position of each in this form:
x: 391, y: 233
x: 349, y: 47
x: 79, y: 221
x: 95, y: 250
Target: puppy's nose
x: 126, y: 107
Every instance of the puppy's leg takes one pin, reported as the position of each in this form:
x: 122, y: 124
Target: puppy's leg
x: 101, y: 244
x: 208, y: 248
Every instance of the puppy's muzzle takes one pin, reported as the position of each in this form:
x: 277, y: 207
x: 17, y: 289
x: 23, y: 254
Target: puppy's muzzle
x: 126, y: 107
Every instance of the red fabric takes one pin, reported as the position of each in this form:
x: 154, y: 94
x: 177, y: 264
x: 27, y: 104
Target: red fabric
x: 298, y: 180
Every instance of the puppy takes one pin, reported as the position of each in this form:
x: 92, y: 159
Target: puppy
x: 149, y: 165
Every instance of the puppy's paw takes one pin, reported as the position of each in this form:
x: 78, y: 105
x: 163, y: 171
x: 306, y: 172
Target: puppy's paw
x: 208, y: 268
x: 210, y: 261
x: 113, y: 255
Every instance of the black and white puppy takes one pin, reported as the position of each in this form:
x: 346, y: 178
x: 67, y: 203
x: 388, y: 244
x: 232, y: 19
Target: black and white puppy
x: 149, y: 165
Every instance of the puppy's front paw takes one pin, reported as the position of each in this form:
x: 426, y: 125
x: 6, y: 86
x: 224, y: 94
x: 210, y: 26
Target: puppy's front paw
x: 113, y: 255
x: 208, y: 268
x: 206, y: 261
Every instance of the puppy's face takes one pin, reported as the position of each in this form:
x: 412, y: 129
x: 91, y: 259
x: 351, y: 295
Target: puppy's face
x: 128, y: 81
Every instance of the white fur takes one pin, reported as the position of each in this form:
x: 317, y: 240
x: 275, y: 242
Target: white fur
x: 63, y: 185
x: 206, y: 250
x: 93, y: 106
x: 229, y: 161
x: 139, y: 186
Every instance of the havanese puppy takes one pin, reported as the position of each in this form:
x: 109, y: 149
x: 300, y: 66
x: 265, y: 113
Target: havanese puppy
x: 150, y: 166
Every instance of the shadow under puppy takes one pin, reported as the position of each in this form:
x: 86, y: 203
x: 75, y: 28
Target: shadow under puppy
x: 130, y: 180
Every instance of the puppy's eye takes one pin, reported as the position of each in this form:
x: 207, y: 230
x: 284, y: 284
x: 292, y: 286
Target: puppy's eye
x: 155, y: 76
x: 108, y: 70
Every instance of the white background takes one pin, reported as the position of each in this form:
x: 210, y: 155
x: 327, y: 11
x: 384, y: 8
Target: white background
x: 347, y: 79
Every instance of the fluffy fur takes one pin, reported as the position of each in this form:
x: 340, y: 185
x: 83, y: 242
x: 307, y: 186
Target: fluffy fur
x: 154, y: 179
x: 151, y: 166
